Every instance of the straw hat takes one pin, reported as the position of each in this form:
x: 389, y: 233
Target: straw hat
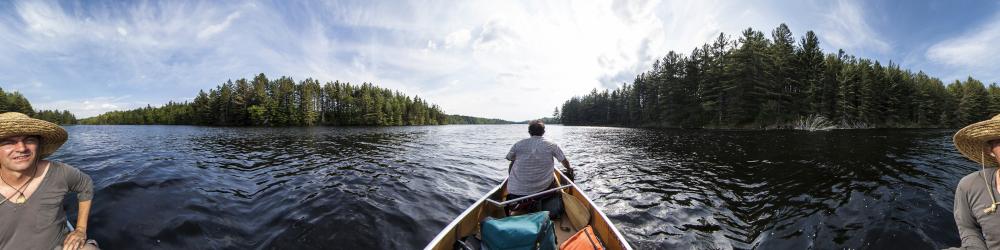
x: 971, y: 140
x: 17, y: 124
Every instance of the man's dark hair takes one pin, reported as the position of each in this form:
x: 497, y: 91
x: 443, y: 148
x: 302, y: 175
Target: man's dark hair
x: 536, y: 128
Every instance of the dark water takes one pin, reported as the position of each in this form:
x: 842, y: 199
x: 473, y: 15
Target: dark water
x: 395, y: 188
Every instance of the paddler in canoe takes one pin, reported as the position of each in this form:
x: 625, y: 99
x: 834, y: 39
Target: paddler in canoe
x: 537, y: 207
x: 531, y: 167
x: 31, y: 214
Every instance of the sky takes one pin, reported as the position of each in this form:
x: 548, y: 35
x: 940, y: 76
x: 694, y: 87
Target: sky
x: 514, y: 60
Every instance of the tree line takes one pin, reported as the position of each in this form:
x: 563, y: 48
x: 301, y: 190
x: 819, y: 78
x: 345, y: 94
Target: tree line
x: 15, y: 102
x: 756, y: 82
x: 461, y: 119
x: 283, y: 102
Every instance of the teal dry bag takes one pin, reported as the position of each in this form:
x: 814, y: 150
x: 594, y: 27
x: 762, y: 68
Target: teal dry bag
x: 523, y: 232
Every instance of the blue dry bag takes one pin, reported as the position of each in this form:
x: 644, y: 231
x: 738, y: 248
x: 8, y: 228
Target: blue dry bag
x: 522, y: 232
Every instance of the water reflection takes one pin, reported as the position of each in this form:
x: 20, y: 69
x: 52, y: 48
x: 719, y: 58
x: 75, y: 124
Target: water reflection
x: 183, y: 187
x: 777, y: 190
x: 394, y: 188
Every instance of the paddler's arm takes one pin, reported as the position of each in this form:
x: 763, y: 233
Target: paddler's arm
x: 80, y: 183
x: 76, y: 239
x: 969, y: 231
x: 82, y: 215
x: 558, y: 154
x: 510, y: 157
x: 569, y: 170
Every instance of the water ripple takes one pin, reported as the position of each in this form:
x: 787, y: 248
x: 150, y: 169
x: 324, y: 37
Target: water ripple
x: 395, y: 187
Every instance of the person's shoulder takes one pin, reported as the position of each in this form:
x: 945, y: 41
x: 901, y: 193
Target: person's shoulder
x: 57, y: 164
x: 549, y: 142
x: 974, y: 175
x: 973, y: 178
x: 61, y: 167
x: 520, y: 143
x: 525, y: 140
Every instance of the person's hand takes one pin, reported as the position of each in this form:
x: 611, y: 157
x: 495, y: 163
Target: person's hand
x: 75, y: 240
x: 569, y: 174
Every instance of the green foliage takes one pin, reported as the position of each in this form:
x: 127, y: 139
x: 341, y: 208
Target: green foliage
x: 283, y: 102
x: 15, y: 102
x: 461, y: 119
x: 55, y: 116
x: 756, y: 82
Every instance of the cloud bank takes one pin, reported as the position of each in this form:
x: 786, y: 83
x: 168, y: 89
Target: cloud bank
x: 514, y: 60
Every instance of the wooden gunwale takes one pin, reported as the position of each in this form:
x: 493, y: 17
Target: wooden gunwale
x: 468, y: 221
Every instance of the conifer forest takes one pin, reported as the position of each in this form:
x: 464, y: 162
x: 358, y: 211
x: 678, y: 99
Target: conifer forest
x: 16, y: 102
x: 754, y: 82
x: 283, y: 102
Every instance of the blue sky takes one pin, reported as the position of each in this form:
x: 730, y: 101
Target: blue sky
x: 514, y: 60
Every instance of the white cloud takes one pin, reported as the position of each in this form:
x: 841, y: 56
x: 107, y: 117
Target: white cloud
x: 458, y: 39
x: 526, y: 59
x: 148, y: 49
x: 495, y: 35
x: 846, y: 27
x: 219, y: 27
x: 971, y: 53
x: 45, y: 19
x: 89, y: 107
x: 972, y: 48
x: 512, y: 60
x: 634, y: 10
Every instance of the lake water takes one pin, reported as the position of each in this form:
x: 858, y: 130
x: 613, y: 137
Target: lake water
x: 396, y: 187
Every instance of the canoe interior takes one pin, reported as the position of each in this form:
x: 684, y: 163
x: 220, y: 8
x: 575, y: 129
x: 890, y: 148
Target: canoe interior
x: 468, y: 222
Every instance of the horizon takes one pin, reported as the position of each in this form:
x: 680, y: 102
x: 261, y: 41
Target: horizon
x: 514, y: 61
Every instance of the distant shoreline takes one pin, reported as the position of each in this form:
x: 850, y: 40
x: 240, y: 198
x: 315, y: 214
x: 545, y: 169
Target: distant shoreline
x: 283, y: 102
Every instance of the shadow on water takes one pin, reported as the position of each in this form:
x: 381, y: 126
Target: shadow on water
x: 394, y: 188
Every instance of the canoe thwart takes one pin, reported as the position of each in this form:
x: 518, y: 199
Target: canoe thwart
x: 511, y: 202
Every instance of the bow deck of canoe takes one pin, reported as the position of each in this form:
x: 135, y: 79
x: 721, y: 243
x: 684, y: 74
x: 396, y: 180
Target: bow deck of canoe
x: 468, y: 222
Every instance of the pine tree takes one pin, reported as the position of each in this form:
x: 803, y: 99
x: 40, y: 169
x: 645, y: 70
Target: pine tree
x: 750, y: 70
x: 811, y: 78
x: 202, y: 108
x: 783, y: 86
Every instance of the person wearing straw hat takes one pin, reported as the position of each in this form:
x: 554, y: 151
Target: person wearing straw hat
x: 976, y: 195
x: 31, y: 214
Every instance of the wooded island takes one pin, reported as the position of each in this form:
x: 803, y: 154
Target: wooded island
x: 283, y: 102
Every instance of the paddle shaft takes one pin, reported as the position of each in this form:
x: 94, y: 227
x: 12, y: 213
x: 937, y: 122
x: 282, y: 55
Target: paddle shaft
x: 509, y: 202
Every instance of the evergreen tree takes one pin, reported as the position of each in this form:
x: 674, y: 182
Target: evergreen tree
x: 202, y: 108
x: 755, y: 82
x: 811, y: 78
x: 749, y: 85
x: 784, y: 88
x: 283, y: 102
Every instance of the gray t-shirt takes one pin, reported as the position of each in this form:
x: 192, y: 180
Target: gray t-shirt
x: 977, y: 229
x: 40, y: 222
x: 533, y: 165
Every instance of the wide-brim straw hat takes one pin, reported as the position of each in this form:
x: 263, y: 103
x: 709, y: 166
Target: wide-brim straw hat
x: 972, y: 140
x: 17, y: 124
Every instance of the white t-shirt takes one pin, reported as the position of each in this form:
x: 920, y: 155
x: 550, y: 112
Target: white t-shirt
x: 533, y: 165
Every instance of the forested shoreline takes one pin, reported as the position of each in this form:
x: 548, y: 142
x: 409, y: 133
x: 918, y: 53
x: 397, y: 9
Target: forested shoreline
x: 283, y: 102
x: 754, y: 82
x: 15, y: 102
x: 462, y: 119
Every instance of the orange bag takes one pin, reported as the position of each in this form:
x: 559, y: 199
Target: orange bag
x: 585, y: 239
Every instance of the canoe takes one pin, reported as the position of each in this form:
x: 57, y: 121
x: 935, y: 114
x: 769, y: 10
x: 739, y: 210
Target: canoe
x: 467, y: 223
